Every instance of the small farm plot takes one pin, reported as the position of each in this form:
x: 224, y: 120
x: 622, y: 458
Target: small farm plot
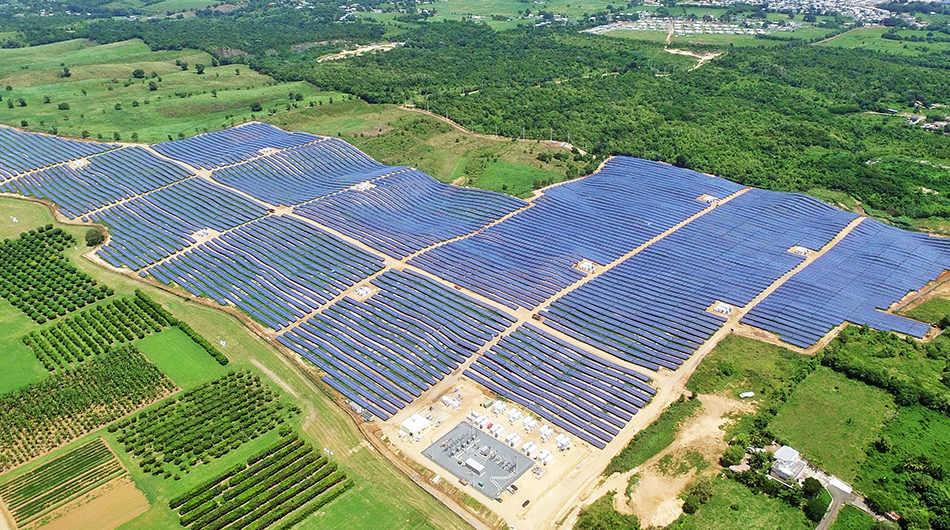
x: 486, y: 463
x: 36, y: 278
x: 37, y: 492
x: 200, y: 425
x: 94, y: 331
x: 66, y: 405
x: 281, y: 485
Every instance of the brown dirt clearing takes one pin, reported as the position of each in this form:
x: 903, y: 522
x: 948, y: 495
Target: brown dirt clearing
x: 104, y: 508
x: 655, y: 499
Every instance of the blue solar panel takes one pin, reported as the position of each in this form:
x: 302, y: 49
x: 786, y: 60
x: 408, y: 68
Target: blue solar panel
x: 386, y: 351
x: 106, y: 179
x: 301, y: 174
x: 23, y: 151
x: 408, y: 211
x: 529, y: 257
x: 652, y: 308
x: 216, y: 149
x: 590, y: 397
x: 871, y: 268
x: 276, y: 269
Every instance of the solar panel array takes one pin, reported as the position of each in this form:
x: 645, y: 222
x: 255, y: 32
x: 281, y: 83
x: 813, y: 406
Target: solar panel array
x: 106, y: 179
x: 219, y: 148
x: 23, y: 151
x: 277, y: 269
x: 386, y: 351
x: 530, y: 256
x: 153, y: 226
x: 651, y: 310
x: 871, y: 268
x: 408, y: 211
x: 582, y: 393
x: 301, y: 174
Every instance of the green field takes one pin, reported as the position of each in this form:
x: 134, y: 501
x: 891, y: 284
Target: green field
x: 739, y: 364
x: 380, y: 493
x: 932, y: 311
x: 904, y: 470
x: 832, y: 419
x: 734, y: 506
x: 183, y: 103
x: 870, y: 39
x: 183, y: 360
x: 654, y: 438
x: 851, y: 518
x: 400, y: 137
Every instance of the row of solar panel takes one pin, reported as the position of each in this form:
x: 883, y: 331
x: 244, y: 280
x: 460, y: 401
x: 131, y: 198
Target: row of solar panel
x: 106, y: 179
x: 530, y: 256
x: 386, y: 351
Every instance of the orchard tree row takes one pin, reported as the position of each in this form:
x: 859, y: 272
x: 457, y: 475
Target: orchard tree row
x: 36, y: 278
x: 282, y: 484
x: 93, y: 331
x: 201, y: 424
x: 66, y: 405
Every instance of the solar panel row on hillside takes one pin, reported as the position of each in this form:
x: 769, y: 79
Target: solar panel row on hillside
x: 276, y: 269
x: 23, y: 151
x: 386, y: 351
x: 106, y: 179
x: 301, y: 174
x: 408, y: 211
x: 652, y: 308
x: 154, y: 226
x: 529, y: 257
x: 867, y: 271
x: 230, y: 146
x: 585, y: 395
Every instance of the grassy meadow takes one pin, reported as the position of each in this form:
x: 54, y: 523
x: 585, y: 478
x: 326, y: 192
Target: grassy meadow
x: 870, y: 39
x: 104, y: 99
x: 832, y: 419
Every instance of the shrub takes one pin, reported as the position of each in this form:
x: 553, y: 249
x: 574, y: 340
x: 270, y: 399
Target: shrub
x: 94, y: 237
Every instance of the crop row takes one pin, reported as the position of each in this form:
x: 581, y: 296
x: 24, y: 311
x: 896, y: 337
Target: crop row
x: 38, y: 480
x: 287, y: 479
x: 66, y: 405
x: 201, y: 424
x: 68, y: 490
x: 94, y: 331
x: 36, y: 277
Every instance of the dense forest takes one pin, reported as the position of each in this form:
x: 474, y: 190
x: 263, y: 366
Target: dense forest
x: 790, y: 118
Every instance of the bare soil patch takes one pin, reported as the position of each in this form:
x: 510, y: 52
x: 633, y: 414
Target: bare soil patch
x: 104, y: 508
